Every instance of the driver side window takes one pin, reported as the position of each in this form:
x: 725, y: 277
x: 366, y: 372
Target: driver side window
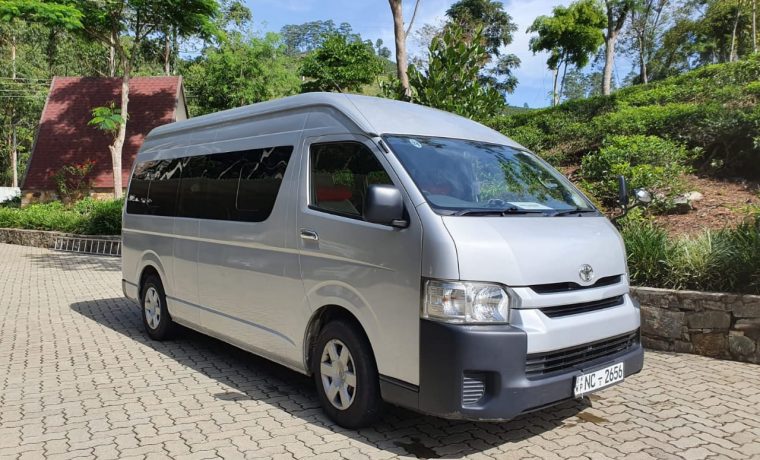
x: 340, y: 173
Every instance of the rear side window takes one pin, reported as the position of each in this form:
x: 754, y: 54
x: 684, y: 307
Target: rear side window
x: 233, y: 186
x: 137, y: 197
x: 340, y: 174
x: 165, y: 179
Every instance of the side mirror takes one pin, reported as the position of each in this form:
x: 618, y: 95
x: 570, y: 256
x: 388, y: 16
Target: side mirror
x: 642, y: 196
x: 623, y: 197
x: 384, y: 205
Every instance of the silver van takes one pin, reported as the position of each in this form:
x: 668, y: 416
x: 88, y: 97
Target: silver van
x: 395, y: 252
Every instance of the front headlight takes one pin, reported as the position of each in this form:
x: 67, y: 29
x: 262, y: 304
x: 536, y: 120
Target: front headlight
x: 465, y: 302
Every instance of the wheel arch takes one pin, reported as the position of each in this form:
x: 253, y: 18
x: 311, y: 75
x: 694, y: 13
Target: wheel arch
x: 318, y: 320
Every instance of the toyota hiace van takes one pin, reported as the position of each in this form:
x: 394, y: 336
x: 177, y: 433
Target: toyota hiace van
x: 395, y: 252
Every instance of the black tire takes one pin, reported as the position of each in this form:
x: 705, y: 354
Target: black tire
x: 164, y: 326
x: 367, y: 403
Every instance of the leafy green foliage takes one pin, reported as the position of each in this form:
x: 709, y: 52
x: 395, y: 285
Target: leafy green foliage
x: 341, y: 63
x: 87, y: 217
x: 73, y: 181
x: 714, y: 109
x: 496, y: 24
x: 570, y: 36
x: 648, y: 162
x: 50, y: 13
x: 238, y: 72
x: 656, y: 260
x: 451, y: 81
x: 106, y: 118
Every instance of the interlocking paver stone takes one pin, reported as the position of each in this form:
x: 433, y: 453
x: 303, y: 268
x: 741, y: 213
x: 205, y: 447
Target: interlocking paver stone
x: 78, y: 377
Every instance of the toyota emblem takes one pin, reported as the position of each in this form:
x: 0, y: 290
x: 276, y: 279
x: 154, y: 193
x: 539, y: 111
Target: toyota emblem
x: 586, y: 273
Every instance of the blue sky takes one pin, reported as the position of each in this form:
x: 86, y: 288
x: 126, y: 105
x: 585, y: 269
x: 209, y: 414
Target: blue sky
x: 372, y: 19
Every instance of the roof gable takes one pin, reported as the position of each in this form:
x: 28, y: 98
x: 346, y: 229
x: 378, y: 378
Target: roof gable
x: 64, y: 136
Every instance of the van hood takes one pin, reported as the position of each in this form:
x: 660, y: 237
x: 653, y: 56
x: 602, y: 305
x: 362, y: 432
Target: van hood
x: 524, y: 251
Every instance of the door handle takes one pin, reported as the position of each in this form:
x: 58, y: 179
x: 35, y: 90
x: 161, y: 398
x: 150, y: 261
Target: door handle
x: 309, y: 235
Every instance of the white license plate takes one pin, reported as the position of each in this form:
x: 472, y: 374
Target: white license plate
x: 593, y: 381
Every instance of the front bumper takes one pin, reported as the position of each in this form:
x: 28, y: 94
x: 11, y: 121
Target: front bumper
x: 496, y: 355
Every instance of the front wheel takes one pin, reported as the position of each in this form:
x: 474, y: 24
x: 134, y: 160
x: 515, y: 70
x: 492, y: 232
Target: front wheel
x: 346, y: 375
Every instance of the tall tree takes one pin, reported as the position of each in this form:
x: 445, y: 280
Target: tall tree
x: 125, y: 25
x: 647, y: 19
x: 617, y: 12
x: 11, y: 13
x: 240, y: 70
x: 302, y: 38
x: 341, y: 63
x: 400, y: 35
x: 452, y: 81
x: 571, y: 35
x: 498, y: 29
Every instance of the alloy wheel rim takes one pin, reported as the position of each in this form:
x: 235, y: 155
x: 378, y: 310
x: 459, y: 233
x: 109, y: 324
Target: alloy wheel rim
x: 338, y: 374
x: 152, y: 307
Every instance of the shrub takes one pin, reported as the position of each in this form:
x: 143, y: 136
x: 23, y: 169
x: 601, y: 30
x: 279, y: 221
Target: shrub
x: 648, y: 162
x: 73, y: 181
x: 723, y: 261
x: 87, y: 217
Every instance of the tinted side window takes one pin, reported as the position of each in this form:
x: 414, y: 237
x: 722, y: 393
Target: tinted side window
x: 340, y: 173
x: 209, y: 186
x: 137, y: 197
x: 262, y: 173
x: 219, y: 186
x: 165, y: 179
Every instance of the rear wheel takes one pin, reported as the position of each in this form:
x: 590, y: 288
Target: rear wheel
x: 346, y: 375
x: 156, y: 319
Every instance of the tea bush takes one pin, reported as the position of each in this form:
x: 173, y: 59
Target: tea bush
x: 648, y: 162
x: 714, y: 109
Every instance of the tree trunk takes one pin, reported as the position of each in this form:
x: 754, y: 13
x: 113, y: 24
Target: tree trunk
x: 112, y: 55
x: 754, y: 26
x: 642, y: 62
x: 13, y: 57
x: 400, y: 34
x: 733, y: 56
x: 609, y: 61
x: 167, y: 55
x: 14, y: 156
x: 555, y: 95
x: 118, y: 142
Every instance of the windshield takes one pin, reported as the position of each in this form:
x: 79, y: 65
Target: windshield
x: 462, y: 177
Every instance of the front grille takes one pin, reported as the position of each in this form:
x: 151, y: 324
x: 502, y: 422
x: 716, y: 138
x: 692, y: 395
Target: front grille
x: 539, y: 364
x: 584, y: 307
x: 553, y: 288
x: 473, y: 388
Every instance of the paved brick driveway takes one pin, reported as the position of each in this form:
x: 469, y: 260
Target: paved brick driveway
x: 79, y: 378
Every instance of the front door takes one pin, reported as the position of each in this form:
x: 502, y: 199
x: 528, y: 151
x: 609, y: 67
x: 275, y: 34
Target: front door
x: 370, y: 269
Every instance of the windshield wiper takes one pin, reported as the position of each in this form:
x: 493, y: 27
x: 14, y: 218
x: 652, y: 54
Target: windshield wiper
x: 496, y: 212
x: 577, y: 210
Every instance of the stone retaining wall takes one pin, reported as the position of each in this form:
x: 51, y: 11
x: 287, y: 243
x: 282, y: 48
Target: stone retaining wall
x: 43, y: 239
x: 706, y: 323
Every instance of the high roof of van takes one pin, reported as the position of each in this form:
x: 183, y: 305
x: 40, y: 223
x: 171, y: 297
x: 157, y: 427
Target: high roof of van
x: 370, y: 115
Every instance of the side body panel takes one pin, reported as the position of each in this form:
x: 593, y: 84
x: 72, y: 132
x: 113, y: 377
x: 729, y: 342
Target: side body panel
x: 248, y: 274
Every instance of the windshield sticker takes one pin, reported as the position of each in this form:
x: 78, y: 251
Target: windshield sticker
x: 529, y: 205
x: 415, y: 143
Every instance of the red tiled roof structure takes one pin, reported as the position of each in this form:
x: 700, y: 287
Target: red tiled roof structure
x: 64, y: 137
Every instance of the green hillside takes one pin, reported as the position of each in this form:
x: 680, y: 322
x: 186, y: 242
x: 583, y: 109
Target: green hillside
x: 712, y: 111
